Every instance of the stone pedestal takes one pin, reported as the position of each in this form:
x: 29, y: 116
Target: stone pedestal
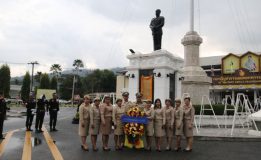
x: 195, y: 81
x: 160, y: 61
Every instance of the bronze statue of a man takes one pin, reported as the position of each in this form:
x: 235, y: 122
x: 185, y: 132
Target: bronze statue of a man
x: 156, y: 25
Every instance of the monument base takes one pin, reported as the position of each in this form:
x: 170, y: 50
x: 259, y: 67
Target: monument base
x: 162, y: 66
x: 195, y: 82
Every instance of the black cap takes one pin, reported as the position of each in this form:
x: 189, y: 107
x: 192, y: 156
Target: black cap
x: 106, y: 96
x: 139, y: 94
x: 148, y: 102
x: 97, y: 99
x: 118, y: 100
x: 125, y: 94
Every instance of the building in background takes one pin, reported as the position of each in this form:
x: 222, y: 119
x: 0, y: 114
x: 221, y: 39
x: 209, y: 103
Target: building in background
x: 231, y: 74
x: 15, y: 91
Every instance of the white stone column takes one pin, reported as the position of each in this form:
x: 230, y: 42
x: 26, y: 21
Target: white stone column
x: 196, y: 82
x: 255, y: 95
x: 161, y: 85
x: 133, y: 84
x: 233, y: 97
x: 178, y: 92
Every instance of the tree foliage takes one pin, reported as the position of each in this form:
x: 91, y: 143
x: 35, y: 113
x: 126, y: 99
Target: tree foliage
x: 78, y: 63
x: 53, y: 84
x: 56, y: 68
x: 97, y: 81
x: 66, y: 87
x: 5, y: 80
x: 100, y: 81
x: 25, y: 90
x: 45, y: 81
x: 37, y: 77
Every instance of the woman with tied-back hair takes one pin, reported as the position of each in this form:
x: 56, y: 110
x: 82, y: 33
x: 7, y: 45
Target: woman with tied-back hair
x: 159, y: 123
x: 118, y: 112
x: 106, y: 121
x: 149, y: 129
x: 84, y: 121
x: 169, y: 111
x: 95, y: 122
x: 178, y: 123
x: 188, y: 119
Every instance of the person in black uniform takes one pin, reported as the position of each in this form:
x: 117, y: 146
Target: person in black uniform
x: 53, y: 108
x: 2, y: 114
x: 30, y: 111
x: 40, y: 112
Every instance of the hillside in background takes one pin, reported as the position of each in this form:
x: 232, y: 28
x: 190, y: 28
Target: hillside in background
x: 84, y: 72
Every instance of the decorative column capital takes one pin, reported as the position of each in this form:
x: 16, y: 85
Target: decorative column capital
x: 191, y: 38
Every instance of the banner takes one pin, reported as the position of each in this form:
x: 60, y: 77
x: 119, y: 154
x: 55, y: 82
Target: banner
x: 236, y: 80
x: 47, y: 92
x: 146, y: 87
x: 230, y: 64
x: 129, y: 119
x: 240, y: 77
x: 250, y: 62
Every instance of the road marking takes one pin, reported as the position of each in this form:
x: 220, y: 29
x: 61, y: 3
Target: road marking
x: 5, y: 141
x: 53, y: 148
x: 27, y: 151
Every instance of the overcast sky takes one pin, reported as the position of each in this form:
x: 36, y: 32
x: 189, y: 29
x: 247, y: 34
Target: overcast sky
x: 101, y: 32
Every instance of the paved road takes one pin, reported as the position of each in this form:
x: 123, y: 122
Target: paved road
x: 68, y: 145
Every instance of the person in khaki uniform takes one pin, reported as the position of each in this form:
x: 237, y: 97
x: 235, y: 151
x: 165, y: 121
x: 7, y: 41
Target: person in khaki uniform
x: 149, y: 112
x: 139, y: 101
x: 106, y: 121
x: 159, y: 123
x: 95, y: 117
x: 84, y: 121
x: 178, y: 123
x: 169, y: 111
x: 188, y: 119
x: 118, y: 112
x: 126, y: 103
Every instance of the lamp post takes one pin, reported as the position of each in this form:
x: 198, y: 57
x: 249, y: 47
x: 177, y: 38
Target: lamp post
x: 32, y: 78
x: 73, y: 90
x: 191, y: 15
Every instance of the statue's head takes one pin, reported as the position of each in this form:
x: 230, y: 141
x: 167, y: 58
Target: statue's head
x: 158, y: 11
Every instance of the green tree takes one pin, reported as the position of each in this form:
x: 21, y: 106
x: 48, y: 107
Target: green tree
x: 56, y: 70
x: 78, y: 63
x: 53, y: 84
x: 79, y: 86
x: 92, y: 82
x: 5, y: 80
x: 37, y: 77
x: 66, y: 87
x: 45, y: 81
x: 25, y: 90
x: 108, y: 81
x: 100, y: 81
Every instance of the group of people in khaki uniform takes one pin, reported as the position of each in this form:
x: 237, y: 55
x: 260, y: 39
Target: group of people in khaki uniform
x: 167, y: 121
